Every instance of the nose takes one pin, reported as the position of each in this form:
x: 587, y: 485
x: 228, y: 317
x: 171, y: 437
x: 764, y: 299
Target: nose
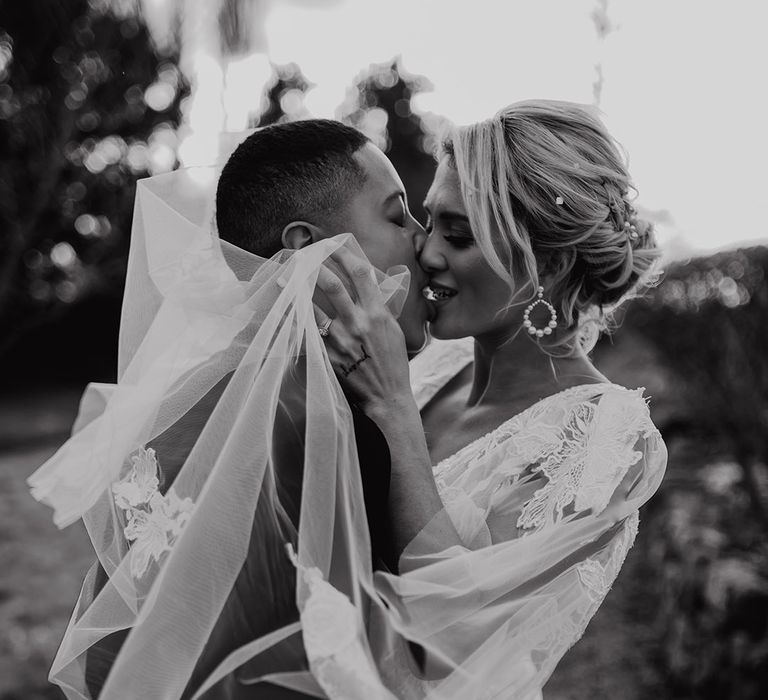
x: 430, y: 258
x: 418, y: 236
x: 419, y: 239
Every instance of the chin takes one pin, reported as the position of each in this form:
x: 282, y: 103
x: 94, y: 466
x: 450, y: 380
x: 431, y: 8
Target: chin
x: 445, y: 332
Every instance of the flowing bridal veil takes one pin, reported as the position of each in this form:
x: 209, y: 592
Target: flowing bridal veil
x: 179, y: 471
x: 225, y: 457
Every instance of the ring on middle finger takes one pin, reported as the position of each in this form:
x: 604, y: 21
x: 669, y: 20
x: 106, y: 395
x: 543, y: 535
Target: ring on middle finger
x: 324, y: 328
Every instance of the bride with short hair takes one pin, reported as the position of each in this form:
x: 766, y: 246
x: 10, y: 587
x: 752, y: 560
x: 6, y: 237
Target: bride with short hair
x: 517, y: 468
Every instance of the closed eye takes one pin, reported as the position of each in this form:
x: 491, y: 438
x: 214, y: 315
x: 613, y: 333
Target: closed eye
x: 460, y: 242
x: 397, y: 211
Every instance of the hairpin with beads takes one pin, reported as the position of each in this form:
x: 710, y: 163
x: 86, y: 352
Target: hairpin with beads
x: 630, y: 227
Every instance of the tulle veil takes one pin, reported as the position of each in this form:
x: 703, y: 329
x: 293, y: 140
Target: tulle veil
x: 176, y: 468
x: 186, y: 474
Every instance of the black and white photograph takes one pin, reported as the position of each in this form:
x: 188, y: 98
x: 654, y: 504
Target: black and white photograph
x: 364, y: 350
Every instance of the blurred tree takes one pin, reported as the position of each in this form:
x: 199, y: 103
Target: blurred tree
x: 237, y: 28
x: 698, y: 341
x: 707, y: 564
x: 707, y: 320
x: 284, y: 97
x: 379, y: 105
x: 86, y: 107
x: 603, y: 27
x: 223, y: 54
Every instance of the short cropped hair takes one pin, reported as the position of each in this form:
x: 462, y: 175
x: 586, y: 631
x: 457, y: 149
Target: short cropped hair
x: 295, y: 171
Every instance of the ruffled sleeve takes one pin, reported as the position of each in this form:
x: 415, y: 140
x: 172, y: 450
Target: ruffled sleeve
x: 559, y: 520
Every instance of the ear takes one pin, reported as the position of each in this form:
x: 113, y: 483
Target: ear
x: 298, y: 234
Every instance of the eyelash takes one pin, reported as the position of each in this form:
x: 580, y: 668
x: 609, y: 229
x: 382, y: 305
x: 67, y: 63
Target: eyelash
x: 460, y: 242
x: 400, y: 219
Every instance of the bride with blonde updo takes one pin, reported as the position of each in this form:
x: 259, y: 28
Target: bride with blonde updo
x: 565, y: 213
x: 517, y: 467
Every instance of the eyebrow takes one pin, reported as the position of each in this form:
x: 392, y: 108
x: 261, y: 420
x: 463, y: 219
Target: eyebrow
x: 448, y: 216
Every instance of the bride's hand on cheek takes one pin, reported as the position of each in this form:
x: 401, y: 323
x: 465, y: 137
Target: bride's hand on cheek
x: 364, y: 342
x: 367, y: 350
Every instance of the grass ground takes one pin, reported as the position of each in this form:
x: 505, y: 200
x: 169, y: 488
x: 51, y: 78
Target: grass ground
x: 41, y: 569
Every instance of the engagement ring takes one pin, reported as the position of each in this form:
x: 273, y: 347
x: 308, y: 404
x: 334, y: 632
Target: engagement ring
x: 324, y: 328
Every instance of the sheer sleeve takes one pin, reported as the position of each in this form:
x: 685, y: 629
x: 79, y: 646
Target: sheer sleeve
x: 546, y: 527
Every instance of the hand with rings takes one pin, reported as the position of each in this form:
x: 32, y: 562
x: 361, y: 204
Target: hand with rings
x: 364, y: 342
x: 324, y: 327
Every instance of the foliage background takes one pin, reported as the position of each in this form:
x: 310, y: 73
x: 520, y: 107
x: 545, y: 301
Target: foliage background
x: 88, y: 104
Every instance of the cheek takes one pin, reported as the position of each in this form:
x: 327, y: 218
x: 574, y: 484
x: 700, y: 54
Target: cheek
x: 385, y: 249
x: 361, y: 225
x: 488, y: 293
x: 477, y: 274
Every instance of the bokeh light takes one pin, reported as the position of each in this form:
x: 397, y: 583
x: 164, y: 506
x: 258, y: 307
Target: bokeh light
x: 63, y: 255
x: 6, y: 55
x: 503, y: 51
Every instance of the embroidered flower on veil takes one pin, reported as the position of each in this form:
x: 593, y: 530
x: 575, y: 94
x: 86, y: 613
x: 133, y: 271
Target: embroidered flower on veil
x: 137, y: 488
x: 154, y: 521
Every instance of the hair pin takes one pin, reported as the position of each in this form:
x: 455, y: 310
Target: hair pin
x: 631, y: 230
x: 559, y: 201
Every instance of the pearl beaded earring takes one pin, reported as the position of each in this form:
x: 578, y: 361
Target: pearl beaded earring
x: 547, y: 330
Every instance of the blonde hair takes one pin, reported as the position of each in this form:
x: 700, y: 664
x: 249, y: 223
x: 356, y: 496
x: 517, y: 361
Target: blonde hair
x: 547, y: 193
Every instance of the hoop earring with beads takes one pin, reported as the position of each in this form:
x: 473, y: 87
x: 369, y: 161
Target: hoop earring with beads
x: 547, y: 330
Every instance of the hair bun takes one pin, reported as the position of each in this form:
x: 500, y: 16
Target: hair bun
x: 553, y: 192
x: 623, y: 266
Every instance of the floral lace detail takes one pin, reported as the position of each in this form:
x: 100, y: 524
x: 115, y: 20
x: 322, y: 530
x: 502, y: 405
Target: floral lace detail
x: 595, y: 448
x: 331, y: 630
x: 563, y: 464
x: 154, y: 521
x: 598, y: 578
x: 556, y: 436
x: 567, y: 454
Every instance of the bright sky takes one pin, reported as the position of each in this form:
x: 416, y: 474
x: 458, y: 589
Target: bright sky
x: 684, y: 91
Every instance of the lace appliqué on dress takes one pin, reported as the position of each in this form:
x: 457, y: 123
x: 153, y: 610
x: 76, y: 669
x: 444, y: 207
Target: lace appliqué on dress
x: 598, y: 578
x: 154, y: 521
x: 596, y: 447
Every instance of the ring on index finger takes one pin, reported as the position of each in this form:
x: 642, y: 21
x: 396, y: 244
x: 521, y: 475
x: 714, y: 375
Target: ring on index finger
x: 324, y: 328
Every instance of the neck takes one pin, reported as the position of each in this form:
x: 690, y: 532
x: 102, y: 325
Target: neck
x: 520, y: 367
